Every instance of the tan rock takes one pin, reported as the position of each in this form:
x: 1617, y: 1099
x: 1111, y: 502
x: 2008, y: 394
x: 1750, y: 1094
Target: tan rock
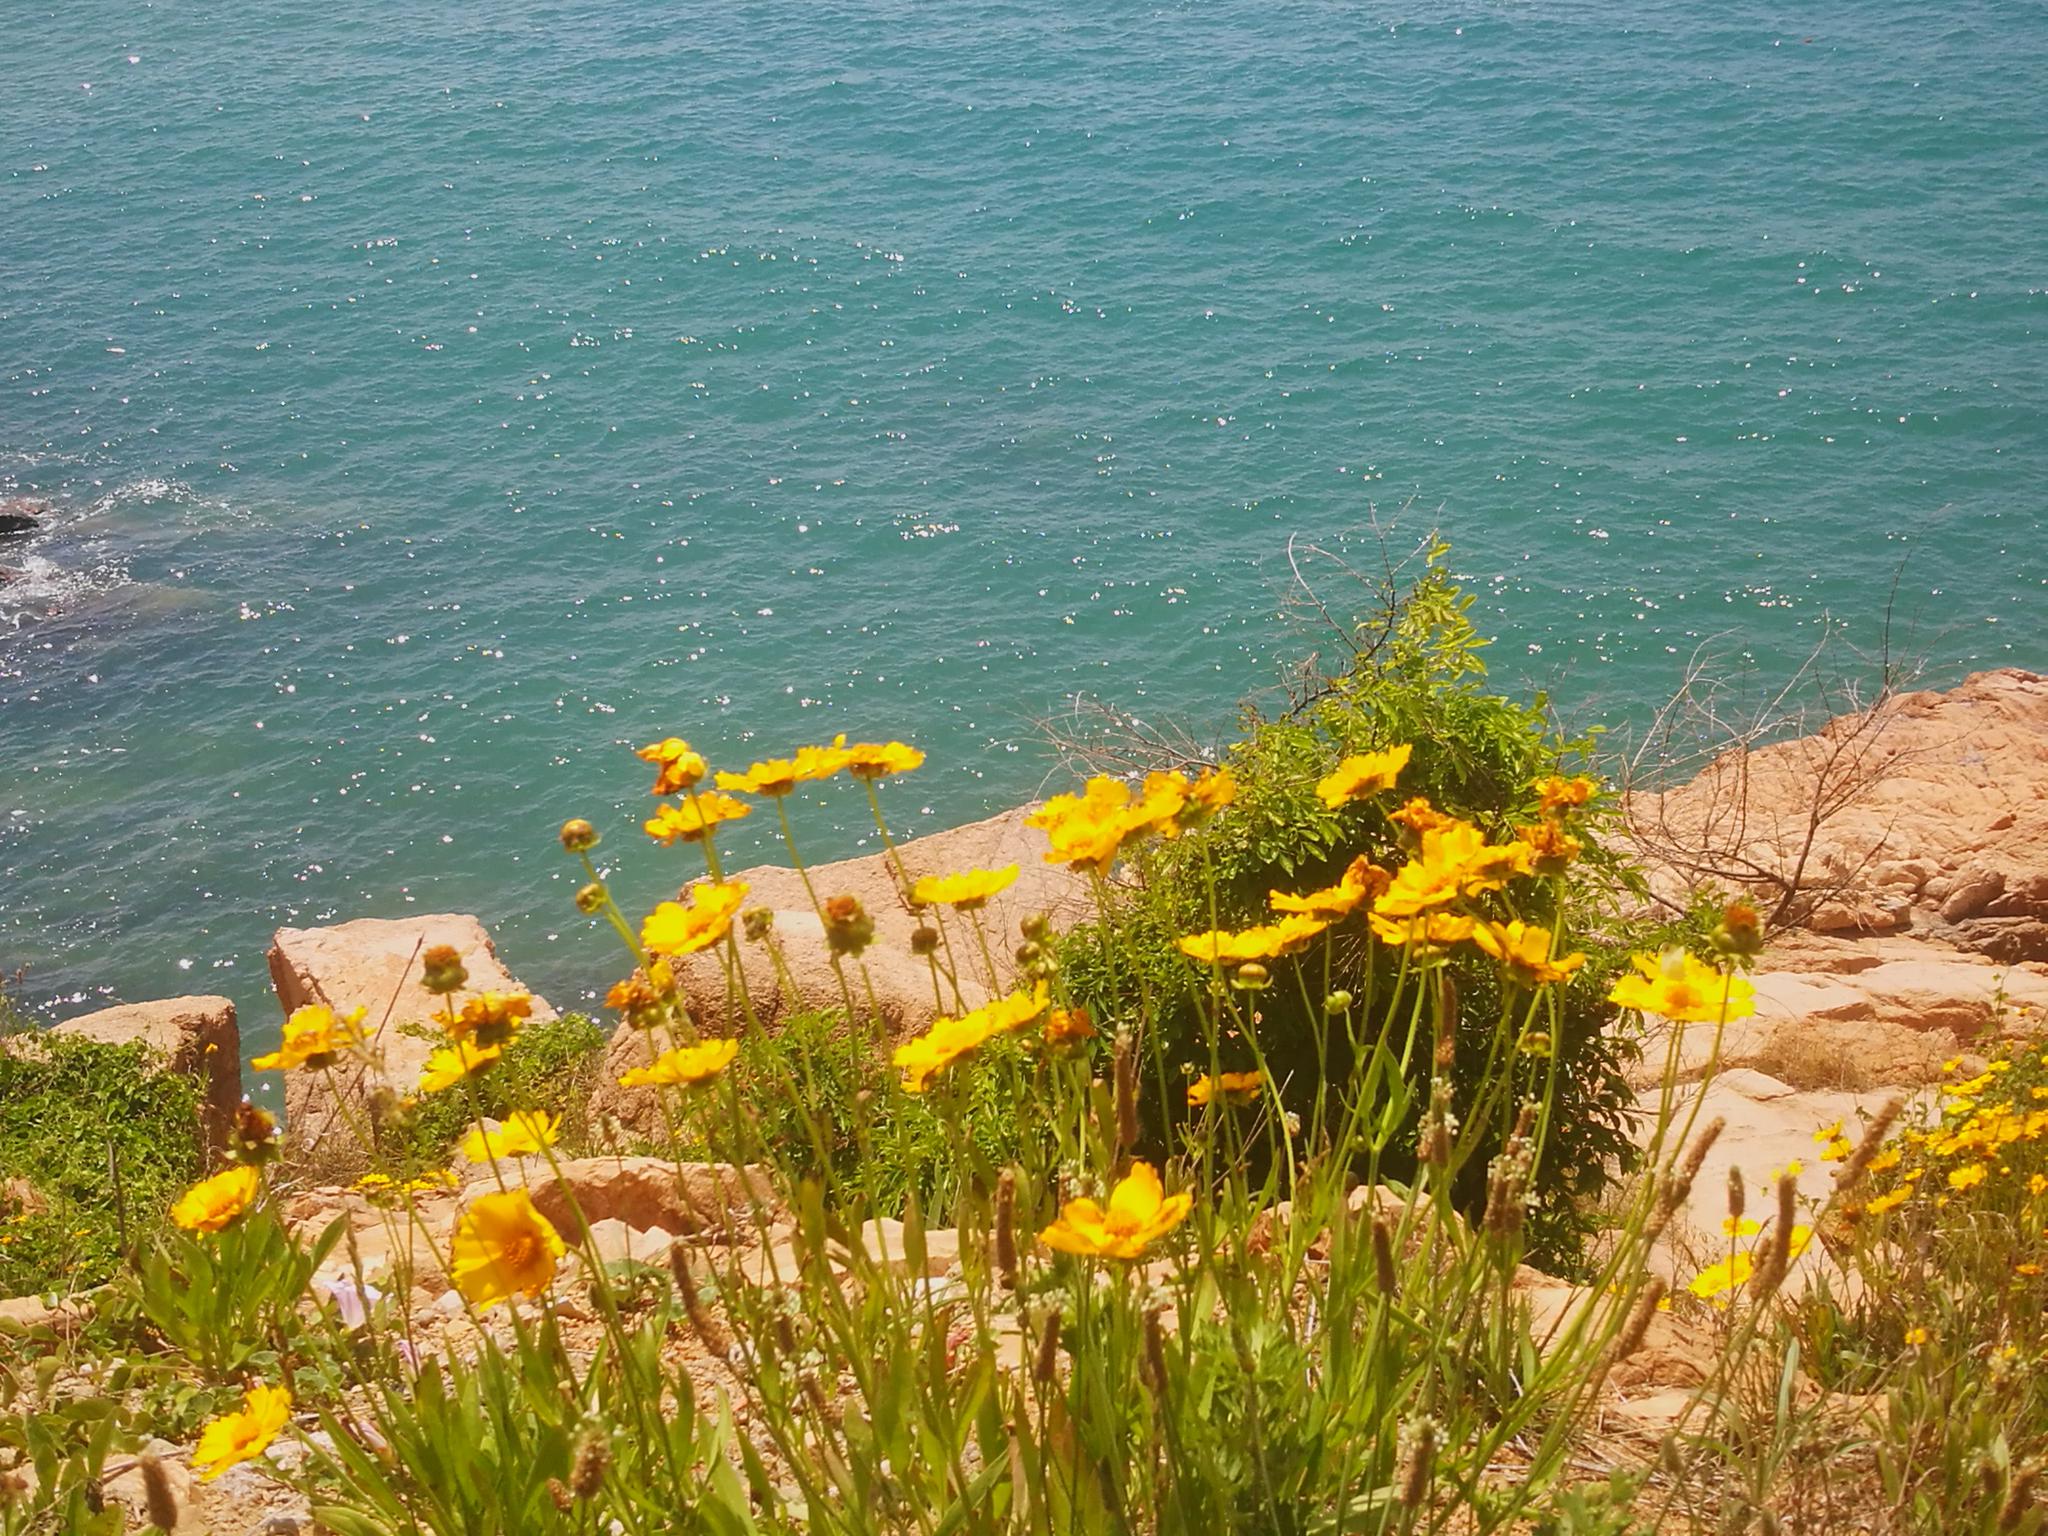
x: 194, y: 1035
x: 1936, y: 797
x: 371, y: 964
x: 1768, y: 1125
x: 644, y: 1193
x: 1956, y: 993
x: 1970, y: 892
x: 886, y: 1245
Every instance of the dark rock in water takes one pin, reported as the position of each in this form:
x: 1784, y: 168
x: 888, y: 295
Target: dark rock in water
x: 21, y: 516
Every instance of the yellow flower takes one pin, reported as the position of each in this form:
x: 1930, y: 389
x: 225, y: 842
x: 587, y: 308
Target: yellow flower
x: 1013, y: 1011
x: 450, y: 1064
x: 313, y: 1036
x: 503, y: 1247
x: 1237, y: 1086
x: 1431, y: 930
x: 930, y: 1053
x: 1462, y: 848
x: 814, y: 763
x: 521, y: 1134
x: 675, y: 929
x: 1213, y: 789
x: 244, y: 1434
x: 1724, y: 1278
x: 1362, y: 880
x: 774, y: 777
x: 1952, y: 1064
x: 492, y: 1018
x: 1088, y: 829
x: 1139, y: 1214
x: 1267, y: 942
x: 1419, y: 817
x: 676, y: 767
x: 1556, y: 793
x: 1877, y: 1205
x: 1366, y: 774
x: 1748, y: 1226
x: 1915, y: 1337
x: 691, y: 821
x: 1888, y: 1158
x: 684, y: 1067
x: 2037, y: 1184
x: 1525, y: 951
x: 1418, y: 887
x: 1068, y: 1026
x: 1551, y: 848
x: 877, y: 760
x: 1969, y: 1176
x: 2028, y: 1269
x: 966, y: 891
x: 1681, y: 987
x: 212, y: 1203
x: 923, y: 1058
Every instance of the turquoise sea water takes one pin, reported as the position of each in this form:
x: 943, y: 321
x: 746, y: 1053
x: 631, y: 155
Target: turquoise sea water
x: 438, y: 399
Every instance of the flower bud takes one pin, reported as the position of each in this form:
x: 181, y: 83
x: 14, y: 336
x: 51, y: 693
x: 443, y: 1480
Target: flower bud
x: 1037, y: 927
x: 756, y: 922
x: 924, y: 940
x: 1740, y: 931
x: 442, y: 970
x: 1337, y: 1002
x: 590, y: 899
x: 848, y: 928
x: 578, y: 835
x: 1029, y: 955
x: 1251, y: 977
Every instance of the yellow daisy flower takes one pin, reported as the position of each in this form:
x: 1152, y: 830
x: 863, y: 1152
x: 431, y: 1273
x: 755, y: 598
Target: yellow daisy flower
x: 503, y: 1247
x: 1139, y: 1213
x: 243, y: 1435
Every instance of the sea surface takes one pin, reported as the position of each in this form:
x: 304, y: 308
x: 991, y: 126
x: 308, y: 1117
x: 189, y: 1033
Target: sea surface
x: 437, y: 400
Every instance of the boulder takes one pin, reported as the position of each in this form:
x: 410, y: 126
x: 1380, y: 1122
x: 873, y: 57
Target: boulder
x: 1956, y: 993
x: 642, y: 1193
x: 2009, y: 940
x: 1970, y: 892
x: 194, y: 1035
x: 372, y: 964
x: 1936, y: 811
x: 21, y: 515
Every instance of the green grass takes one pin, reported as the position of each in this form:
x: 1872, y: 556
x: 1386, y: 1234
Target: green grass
x: 95, y: 1142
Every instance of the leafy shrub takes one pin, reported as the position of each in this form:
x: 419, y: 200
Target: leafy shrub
x: 95, y: 1142
x: 1477, y: 755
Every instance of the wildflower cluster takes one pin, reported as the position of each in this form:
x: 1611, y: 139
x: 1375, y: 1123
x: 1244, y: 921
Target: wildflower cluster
x: 1988, y: 1152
